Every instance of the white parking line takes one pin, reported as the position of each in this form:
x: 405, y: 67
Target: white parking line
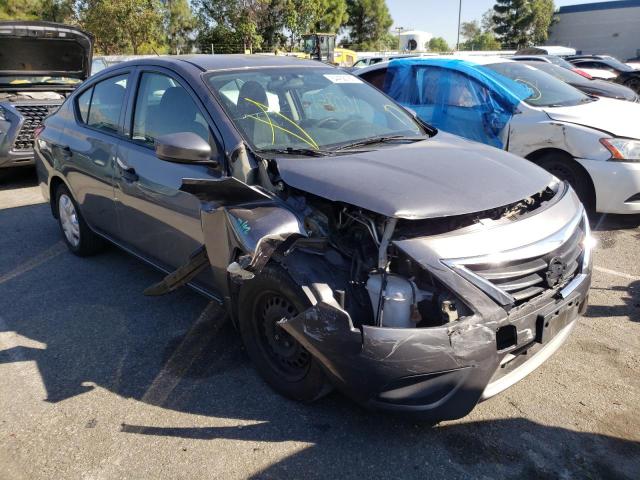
x: 36, y: 261
x: 184, y: 355
x: 628, y: 276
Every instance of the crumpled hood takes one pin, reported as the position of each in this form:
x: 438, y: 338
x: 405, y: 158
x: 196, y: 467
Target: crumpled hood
x: 46, y: 49
x: 617, y: 117
x: 442, y: 176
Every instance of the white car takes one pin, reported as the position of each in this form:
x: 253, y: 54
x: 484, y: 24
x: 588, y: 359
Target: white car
x: 593, y: 143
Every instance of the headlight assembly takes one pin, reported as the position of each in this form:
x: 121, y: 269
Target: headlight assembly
x: 622, y: 149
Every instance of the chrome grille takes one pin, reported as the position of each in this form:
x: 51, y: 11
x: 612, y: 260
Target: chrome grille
x: 524, y: 279
x: 33, y: 116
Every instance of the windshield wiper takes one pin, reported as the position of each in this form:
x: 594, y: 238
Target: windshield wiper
x: 308, y: 152
x: 381, y: 139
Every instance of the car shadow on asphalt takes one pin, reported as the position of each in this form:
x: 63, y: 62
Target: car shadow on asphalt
x: 12, y: 178
x: 605, y: 221
x: 86, y: 324
x: 630, y: 308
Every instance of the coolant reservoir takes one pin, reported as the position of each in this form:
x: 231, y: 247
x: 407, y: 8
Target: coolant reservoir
x: 400, y: 294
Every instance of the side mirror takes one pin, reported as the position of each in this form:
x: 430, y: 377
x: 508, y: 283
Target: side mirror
x: 183, y: 147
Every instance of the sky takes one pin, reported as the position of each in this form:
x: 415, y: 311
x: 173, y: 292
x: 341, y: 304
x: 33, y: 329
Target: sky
x: 440, y: 17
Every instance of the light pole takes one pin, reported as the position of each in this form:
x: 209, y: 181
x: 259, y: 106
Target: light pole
x: 459, y: 18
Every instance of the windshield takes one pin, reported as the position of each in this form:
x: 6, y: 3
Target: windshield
x: 560, y: 73
x: 307, y: 108
x: 548, y: 91
x: 617, y: 64
x: 37, y: 80
x: 561, y: 62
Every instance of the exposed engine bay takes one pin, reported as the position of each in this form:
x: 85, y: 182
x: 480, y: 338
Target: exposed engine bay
x: 385, y: 287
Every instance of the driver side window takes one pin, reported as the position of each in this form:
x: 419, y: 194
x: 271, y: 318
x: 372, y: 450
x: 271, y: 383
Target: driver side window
x: 438, y: 86
x: 163, y: 107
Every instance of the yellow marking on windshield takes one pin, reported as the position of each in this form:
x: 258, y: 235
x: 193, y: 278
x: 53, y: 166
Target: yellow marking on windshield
x: 266, y: 112
x: 284, y: 130
x: 264, y: 108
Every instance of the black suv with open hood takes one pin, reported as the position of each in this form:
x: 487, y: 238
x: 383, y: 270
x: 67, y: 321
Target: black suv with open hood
x: 40, y: 64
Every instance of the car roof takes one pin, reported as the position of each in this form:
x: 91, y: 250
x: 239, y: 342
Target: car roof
x: 520, y: 58
x: 473, y: 59
x: 207, y: 62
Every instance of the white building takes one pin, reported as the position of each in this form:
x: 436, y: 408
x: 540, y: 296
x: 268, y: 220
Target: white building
x: 611, y: 28
x: 414, y: 40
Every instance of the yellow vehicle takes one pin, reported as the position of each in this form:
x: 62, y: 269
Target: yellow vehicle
x: 322, y: 47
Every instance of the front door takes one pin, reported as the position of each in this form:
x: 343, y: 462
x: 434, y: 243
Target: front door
x: 157, y: 220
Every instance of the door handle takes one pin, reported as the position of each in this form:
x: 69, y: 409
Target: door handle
x: 127, y: 172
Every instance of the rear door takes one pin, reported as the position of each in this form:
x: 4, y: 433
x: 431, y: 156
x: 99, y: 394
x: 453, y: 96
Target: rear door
x: 89, y: 146
x: 157, y: 220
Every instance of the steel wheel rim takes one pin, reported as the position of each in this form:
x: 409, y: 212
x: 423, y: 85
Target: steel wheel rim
x: 284, y: 353
x: 69, y: 220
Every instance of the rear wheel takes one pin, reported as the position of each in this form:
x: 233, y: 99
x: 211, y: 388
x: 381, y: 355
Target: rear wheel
x: 279, y: 358
x: 567, y: 169
x: 75, y: 231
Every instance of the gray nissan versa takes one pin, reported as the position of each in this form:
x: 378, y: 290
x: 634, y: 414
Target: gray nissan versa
x: 352, y: 245
x: 40, y: 64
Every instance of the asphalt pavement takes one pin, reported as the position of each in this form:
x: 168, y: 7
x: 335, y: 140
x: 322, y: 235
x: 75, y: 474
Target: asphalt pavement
x: 98, y: 381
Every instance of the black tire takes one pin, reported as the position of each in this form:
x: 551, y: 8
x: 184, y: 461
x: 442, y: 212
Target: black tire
x: 281, y: 360
x: 567, y: 169
x: 634, y: 84
x: 88, y: 243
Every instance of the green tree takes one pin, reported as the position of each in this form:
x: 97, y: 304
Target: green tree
x: 124, y: 26
x: 300, y: 16
x: 438, y: 44
x: 487, y: 23
x: 61, y: 11
x: 232, y: 25
x: 514, y: 21
x: 51, y: 10
x: 470, y: 30
x: 271, y: 25
x: 369, y: 22
x: 519, y: 23
x: 482, y: 41
x: 543, y: 11
x: 331, y: 16
x: 180, y: 23
x: 19, y: 9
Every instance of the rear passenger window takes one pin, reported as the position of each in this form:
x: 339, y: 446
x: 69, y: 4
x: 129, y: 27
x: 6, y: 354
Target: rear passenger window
x: 376, y: 77
x: 84, y: 101
x: 105, y: 104
x: 164, y: 107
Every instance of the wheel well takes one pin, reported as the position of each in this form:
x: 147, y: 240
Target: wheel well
x: 539, y: 155
x: 53, y: 186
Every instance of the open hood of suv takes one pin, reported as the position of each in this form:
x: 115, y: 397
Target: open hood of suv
x: 44, y: 48
x: 438, y: 177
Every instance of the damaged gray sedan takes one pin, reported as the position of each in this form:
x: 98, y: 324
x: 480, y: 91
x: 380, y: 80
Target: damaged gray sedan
x: 353, y: 246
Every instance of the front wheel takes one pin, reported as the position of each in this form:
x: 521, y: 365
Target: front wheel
x: 280, y: 359
x: 634, y: 84
x: 571, y: 172
x: 76, y: 233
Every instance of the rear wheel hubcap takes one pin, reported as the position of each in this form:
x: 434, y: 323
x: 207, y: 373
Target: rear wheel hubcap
x: 69, y: 220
